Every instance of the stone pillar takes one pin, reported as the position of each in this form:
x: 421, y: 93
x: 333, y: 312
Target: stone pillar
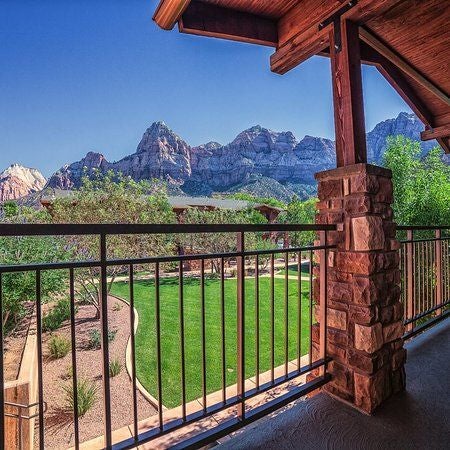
x: 365, y: 316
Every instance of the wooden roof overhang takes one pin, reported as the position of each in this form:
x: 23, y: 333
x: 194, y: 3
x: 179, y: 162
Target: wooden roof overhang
x: 408, y: 41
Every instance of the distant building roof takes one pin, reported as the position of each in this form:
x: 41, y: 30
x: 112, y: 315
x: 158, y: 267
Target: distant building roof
x: 178, y: 202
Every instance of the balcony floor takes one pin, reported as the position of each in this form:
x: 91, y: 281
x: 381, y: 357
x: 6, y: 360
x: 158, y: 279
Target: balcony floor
x: 418, y: 418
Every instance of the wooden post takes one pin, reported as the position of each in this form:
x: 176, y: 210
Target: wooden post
x: 323, y: 299
x: 347, y: 94
x: 409, y: 279
x: 439, y: 274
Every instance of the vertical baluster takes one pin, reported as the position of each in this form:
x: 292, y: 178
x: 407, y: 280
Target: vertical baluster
x: 409, y: 279
x: 203, y: 330
x: 323, y: 299
x: 299, y: 310
x: 222, y: 320
x: 105, y: 342
x: 286, y: 313
x: 438, y: 261
x: 272, y: 317
x: 310, y: 304
x: 257, y: 319
x: 2, y: 379
x: 74, y: 358
x: 39, y: 360
x: 182, y: 347
x: 133, y: 351
x: 158, y: 346
x: 241, y: 325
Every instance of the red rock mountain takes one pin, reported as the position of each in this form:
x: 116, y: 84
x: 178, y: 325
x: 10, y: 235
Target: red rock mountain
x: 18, y: 181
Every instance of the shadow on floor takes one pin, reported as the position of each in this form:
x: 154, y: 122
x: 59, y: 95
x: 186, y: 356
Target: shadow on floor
x: 418, y: 418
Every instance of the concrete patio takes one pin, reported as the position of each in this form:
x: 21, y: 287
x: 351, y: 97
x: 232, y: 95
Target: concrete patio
x: 418, y: 418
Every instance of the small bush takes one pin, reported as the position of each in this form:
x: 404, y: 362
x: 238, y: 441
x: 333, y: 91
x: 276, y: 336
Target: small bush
x: 68, y: 373
x: 55, y: 318
x: 114, y: 368
x: 95, y: 338
x: 86, y: 396
x: 58, y: 346
x: 117, y: 306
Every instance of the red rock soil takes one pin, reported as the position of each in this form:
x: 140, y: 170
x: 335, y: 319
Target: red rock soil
x: 59, y: 429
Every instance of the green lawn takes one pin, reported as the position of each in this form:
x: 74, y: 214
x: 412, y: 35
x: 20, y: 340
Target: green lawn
x: 293, y: 270
x: 170, y: 332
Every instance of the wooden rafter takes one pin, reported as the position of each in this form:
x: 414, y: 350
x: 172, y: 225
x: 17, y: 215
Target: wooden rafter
x: 299, y: 36
x: 403, y: 65
x: 435, y: 133
x: 168, y: 12
x: 214, y: 21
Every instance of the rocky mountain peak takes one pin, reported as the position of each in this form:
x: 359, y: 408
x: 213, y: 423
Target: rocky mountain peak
x: 17, y: 181
x: 254, y: 157
x: 405, y: 124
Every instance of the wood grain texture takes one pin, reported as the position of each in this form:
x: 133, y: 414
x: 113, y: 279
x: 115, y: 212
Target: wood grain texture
x: 214, y: 21
x: 434, y: 133
x: 348, y: 97
x: 402, y: 64
x: 168, y: 12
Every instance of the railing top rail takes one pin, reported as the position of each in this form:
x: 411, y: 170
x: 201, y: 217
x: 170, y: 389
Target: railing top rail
x: 422, y: 227
x: 113, y: 228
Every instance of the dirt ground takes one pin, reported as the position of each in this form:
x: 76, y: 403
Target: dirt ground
x: 59, y: 428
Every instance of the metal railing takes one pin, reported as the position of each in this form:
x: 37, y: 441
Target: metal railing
x: 246, y: 263
x: 425, y: 276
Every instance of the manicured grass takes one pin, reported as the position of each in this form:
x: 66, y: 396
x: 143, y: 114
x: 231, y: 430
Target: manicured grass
x: 144, y: 297
x: 293, y: 270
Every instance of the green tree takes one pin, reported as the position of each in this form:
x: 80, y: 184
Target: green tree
x: 421, y: 185
x: 220, y: 242
x: 113, y: 198
x: 300, y: 212
x: 19, y: 288
x: 10, y: 208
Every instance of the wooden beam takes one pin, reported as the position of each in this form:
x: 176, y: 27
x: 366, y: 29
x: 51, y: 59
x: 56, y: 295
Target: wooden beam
x: 214, y: 21
x: 168, y: 12
x: 299, y: 49
x: 434, y: 133
x: 402, y: 64
x: 397, y: 80
x: 299, y: 36
x: 348, y: 96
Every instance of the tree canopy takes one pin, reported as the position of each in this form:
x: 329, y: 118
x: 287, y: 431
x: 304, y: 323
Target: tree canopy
x: 421, y: 185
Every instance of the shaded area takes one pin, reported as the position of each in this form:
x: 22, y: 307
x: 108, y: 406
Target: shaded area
x: 415, y: 419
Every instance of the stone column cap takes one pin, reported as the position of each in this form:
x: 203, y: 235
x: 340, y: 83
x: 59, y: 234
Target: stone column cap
x: 353, y: 169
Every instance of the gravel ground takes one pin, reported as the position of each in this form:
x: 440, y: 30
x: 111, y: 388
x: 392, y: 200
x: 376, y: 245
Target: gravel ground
x: 59, y: 429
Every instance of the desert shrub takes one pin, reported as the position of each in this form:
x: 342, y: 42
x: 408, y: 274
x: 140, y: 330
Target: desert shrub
x: 117, y: 306
x: 58, y: 346
x: 95, y: 338
x: 68, y: 373
x: 55, y: 317
x: 86, y: 396
x: 114, y: 368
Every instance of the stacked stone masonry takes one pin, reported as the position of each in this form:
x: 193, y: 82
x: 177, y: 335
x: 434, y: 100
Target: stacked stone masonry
x: 364, y: 315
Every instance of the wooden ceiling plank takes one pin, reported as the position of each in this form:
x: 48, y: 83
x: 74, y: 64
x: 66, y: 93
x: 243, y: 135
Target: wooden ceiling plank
x: 214, y: 21
x: 398, y: 81
x: 403, y: 65
x: 168, y: 12
x: 434, y: 133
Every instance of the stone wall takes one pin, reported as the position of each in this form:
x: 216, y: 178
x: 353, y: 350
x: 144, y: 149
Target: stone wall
x: 364, y: 315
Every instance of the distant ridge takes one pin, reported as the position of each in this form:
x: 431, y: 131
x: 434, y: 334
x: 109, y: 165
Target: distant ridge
x: 258, y: 161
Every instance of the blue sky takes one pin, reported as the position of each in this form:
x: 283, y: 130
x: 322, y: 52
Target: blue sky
x: 80, y: 75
